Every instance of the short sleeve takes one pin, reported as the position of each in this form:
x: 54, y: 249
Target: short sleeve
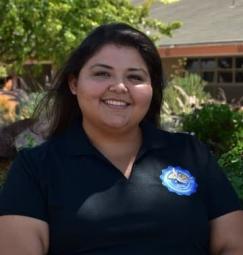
x: 21, y: 193
x: 220, y: 196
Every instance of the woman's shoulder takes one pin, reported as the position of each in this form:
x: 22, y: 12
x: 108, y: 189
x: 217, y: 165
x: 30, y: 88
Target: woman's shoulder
x: 183, y: 144
x: 173, y: 139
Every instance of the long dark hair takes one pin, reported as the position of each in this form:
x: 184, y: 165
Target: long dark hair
x: 61, y: 105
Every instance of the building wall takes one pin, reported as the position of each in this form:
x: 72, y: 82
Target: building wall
x: 169, y: 67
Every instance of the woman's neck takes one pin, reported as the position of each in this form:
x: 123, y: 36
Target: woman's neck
x: 118, y: 146
x: 113, y: 137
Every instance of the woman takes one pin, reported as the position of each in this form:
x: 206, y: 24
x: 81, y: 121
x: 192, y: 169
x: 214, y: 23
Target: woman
x: 107, y: 181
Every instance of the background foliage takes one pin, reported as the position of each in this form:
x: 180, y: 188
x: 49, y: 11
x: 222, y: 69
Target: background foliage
x: 49, y: 29
x: 232, y: 162
x: 185, y: 93
x: 217, y: 125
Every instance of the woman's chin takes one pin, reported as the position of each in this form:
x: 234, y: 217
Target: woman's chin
x: 117, y: 125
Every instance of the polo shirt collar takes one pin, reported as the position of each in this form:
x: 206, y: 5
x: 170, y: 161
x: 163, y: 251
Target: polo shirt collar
x: 78, y: 143
x: 153, y: 137
x: 76, y: 140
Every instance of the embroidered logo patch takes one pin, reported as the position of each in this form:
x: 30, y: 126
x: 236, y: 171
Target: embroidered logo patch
x: 178, y: 180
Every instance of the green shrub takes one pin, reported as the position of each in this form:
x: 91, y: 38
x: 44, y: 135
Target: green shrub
x: 217, y: 125
x: 232, y: 163
x: 27, y: 105
x: 3, y: 71
x: 184, y: 93
x: 192, y: 84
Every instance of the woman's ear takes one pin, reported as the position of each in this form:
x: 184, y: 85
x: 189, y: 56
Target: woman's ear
x: 72, y: 83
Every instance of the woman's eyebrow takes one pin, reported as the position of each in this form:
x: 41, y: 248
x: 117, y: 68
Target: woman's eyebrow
x: 101, y: 65
x: 133, y: 69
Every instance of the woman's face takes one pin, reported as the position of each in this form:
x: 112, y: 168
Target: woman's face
x: 113, y: 88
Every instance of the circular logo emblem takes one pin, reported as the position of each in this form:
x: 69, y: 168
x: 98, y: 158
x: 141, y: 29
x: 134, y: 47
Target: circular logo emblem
x: 178, y: 180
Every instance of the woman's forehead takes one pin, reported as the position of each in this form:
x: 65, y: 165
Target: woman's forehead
x: 113, y: 54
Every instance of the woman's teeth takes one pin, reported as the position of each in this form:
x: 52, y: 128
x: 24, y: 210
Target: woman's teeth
x: 115, y: 103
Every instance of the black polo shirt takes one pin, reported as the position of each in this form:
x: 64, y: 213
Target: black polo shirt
x: 174, y: 190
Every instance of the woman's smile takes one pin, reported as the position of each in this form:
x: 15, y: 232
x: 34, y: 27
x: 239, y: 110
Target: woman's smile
x: 116, y: 104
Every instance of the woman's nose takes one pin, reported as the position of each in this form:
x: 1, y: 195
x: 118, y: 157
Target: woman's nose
x: 119, y: 87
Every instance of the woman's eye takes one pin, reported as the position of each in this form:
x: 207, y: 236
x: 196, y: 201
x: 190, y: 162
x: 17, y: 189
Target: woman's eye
x: 135, y: 78
x: 102, y: 74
